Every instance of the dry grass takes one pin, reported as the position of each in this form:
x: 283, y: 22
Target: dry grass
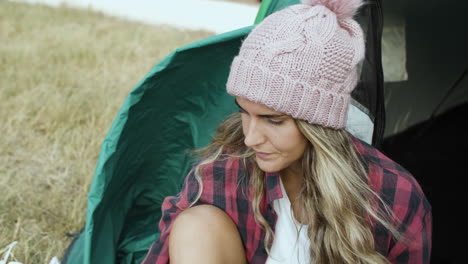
x: 64, y: 73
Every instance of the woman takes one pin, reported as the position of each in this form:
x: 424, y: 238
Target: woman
x: 282, y: 181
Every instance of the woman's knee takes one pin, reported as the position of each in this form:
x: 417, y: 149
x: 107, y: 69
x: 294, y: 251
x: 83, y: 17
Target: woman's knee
x: 204, y: 219
x: 208, y: 232
x: 202, y: 216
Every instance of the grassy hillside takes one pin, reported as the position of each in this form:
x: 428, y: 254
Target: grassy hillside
x: 64, y: 73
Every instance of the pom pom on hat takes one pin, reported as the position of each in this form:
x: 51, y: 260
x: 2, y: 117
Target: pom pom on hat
x: 342, y: 8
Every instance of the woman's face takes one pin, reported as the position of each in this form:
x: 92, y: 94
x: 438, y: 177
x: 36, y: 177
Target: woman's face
x: 273, y: 136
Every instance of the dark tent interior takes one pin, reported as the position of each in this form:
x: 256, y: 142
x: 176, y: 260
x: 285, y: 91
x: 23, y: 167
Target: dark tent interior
x: 426, y: 107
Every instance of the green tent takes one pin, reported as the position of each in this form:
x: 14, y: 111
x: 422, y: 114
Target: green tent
x: 175, y: 109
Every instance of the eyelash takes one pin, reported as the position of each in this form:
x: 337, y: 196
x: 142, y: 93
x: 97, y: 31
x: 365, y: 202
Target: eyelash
x: 276, y: 123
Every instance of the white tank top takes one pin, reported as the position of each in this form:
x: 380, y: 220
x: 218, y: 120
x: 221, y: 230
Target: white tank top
x: 289, y: 246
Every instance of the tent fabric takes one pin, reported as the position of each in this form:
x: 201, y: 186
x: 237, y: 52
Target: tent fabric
x: 146, y: 153
x: 426, y: 110
x: 436, y: 56
x: 143, y: 158
x: 435, y: 153
x: 370, y: 90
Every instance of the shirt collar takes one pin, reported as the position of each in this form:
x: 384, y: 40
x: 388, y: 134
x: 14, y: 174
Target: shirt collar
x: 273, y: 186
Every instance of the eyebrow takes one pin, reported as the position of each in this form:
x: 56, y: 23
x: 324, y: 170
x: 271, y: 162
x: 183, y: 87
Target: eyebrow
x: 265, y: 116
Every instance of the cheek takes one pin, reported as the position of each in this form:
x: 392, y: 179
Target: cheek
x: 300, y: 147
x: 290, y: 150
x: 294, y: 147
x: 291, y: 143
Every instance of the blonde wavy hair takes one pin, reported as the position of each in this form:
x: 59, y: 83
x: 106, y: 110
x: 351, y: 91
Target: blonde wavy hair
x: 337, y: 203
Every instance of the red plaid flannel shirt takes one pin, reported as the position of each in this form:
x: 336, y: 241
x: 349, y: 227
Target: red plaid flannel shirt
x: 225, y: 184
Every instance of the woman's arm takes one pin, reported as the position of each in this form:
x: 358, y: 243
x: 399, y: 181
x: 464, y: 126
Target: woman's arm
x: 417, y: 231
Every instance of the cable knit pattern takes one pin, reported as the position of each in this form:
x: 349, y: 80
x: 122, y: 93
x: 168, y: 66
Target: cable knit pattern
x: 301, y: 61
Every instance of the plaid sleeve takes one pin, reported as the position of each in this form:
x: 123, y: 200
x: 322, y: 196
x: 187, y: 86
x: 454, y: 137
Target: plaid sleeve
x: 417, y: 229
x: 400, y: 190
x: 171, y: 207
x: 409, y: 204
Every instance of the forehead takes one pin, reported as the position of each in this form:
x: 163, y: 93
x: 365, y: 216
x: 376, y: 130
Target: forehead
x: 255, y: 107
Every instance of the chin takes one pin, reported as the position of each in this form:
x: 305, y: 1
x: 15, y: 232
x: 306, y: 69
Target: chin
x: 268, y: 166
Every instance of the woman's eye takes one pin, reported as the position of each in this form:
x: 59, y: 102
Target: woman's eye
x: 275, y: 122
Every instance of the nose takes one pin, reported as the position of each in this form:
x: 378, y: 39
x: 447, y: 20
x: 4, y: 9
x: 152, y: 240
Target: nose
x: 253, y: 133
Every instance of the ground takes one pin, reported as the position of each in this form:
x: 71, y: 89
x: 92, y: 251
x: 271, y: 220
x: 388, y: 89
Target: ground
x: 64, y: 74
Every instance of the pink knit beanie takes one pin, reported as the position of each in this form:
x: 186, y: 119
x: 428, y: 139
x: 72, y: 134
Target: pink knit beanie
x: 302, y: 61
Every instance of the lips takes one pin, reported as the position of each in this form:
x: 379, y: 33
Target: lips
x: 262, y: 155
